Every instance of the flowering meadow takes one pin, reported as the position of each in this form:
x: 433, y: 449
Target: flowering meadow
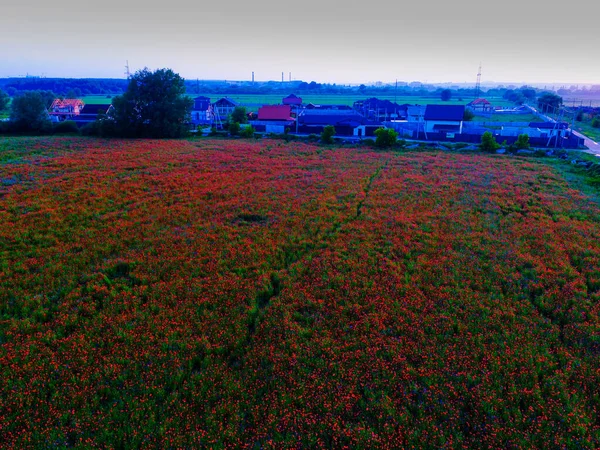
x: 242, y: 294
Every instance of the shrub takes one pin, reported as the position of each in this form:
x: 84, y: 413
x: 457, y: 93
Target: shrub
x: 596, y: 122
x: 468, y: 115
x: 488, y: 142
x: 368, y: 142
x: 522, y: 142
x: 248, y: 132
x: 327, y: 134
x: 68, y: 126
x: 386, y: 137
x: 91, y: 129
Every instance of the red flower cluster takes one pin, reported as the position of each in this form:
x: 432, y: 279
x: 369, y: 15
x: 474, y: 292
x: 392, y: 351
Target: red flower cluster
x: 233, y: 294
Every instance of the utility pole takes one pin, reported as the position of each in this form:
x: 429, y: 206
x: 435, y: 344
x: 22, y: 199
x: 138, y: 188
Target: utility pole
x: 396, y: 99
x: 478, y: 85
x: 127, y: 73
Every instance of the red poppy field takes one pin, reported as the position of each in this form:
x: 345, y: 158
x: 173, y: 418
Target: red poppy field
x: 237, y: 294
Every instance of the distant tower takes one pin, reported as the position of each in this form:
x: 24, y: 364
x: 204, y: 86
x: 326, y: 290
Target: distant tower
x: 290, y: 77
x: 252, y: 77
x: 281, y: 77
x: 478, y: 85
x: 127, y: 73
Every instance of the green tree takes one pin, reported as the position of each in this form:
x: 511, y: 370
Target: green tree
x: 528, y: 93
x: 327, y: 134
x: 154, y: 106
x: 239, y: 115
x: 386, y: 137
x: 446, y: 95
x: 596, y: 122
x: 548, y: 102
x: 4, y: 100
x: 468, y: 115
x: 488, y: 142
x: 522, y: 142
x: 514, y: 96
x: 234, y: 128
x: 28, y: 113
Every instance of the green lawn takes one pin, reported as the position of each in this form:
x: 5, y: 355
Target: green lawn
x: 508, y: 118
x: 587, y: 129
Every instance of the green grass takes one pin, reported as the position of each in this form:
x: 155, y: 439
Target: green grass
x: 508, y: 118
x: 343, y: 99
x: 98, y: 99
x: 587, y: 129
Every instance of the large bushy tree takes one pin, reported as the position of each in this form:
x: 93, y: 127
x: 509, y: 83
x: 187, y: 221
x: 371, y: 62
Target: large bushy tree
x: 153, y: 106
x: 548, y: 102
x: 28, y: 113
x: 239, y: 115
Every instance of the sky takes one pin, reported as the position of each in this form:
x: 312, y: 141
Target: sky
x: 518, y: 41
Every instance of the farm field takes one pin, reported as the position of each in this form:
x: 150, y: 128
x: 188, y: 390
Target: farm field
x: 508, y: 118
x: 98, y: 99
x: 243, y: 294
x: 341, y: 99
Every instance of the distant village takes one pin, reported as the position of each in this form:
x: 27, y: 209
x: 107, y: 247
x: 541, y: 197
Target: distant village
x: 432, y: 122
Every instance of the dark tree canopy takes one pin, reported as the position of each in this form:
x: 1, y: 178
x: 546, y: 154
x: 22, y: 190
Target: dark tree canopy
x: 4, y: 100
x: 239, y: 115
x: 548, y: 101
x: 28, y: 113
x: 153, y: 106
x: 446, y: 95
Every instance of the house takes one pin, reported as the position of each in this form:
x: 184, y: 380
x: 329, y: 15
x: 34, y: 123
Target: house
x: 480, y: 106
x: 292, y: 99
x: 66, y: 108
x: 202, y: 111
x: 329, y: 107
x: 90, y: 113
x: 444, y: 118
x: 274, y: 119
x: 415, y: 113
x: 346, y: 122
x: 224, y: 107
x: 275, y: 112
x: 381, y: 110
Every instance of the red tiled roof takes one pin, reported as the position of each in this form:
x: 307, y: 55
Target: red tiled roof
x: 480, y: 101
x: 275, y: 112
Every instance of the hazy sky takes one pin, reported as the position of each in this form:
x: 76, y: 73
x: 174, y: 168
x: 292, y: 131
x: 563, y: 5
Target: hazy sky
x: 323, y: 40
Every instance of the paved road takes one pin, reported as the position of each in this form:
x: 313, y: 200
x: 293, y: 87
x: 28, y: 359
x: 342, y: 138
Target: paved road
x: 592, y: 146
